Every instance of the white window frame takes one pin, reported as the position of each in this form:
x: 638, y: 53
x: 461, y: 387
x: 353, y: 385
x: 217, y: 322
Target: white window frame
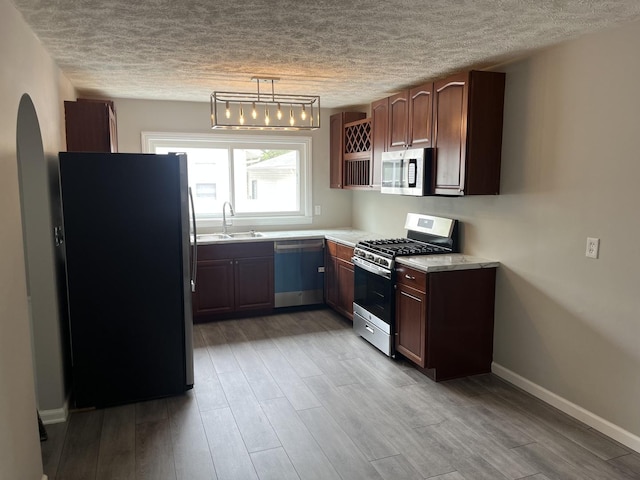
x: 151, y: 140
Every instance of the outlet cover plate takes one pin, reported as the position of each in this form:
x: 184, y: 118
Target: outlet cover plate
x: 593, y: 247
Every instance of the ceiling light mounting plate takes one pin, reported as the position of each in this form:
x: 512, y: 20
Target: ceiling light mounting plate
x: 264, y: 111
x: 265, y: 79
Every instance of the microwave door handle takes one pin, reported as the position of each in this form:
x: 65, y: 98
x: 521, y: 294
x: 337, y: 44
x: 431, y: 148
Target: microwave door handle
x: 412, y: 172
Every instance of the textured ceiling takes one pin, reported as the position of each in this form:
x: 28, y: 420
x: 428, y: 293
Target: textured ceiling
x: 348, y: 52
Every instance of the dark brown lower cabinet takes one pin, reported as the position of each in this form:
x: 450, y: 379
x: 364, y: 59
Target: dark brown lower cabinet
x: 253, y: 283
x: 444, y: 320
x: 214, y: 288
x: 410, y: 323
x: 338, y: 274
x: 233, y: 279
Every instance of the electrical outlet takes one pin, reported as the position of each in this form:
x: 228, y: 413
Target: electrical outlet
x: 593, y: 247
x: 317, y: 210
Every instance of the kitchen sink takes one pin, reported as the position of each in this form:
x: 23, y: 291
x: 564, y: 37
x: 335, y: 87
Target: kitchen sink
x: 206, y: 237
x: 212, y: 236
x: 250, y: 234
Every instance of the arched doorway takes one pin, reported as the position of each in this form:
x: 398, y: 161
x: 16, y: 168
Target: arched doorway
x: 43, y: 267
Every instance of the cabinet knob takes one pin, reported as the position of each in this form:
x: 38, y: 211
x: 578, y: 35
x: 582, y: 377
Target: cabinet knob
x: 409, y: 277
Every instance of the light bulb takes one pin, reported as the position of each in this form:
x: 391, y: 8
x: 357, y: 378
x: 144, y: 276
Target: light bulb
x: 266, y: 116
x: 291, y: 119
x: 241, y: 116
x: 227, y: 111
x: 279, y: 113
x: 254, y: 113
x: 303, y: 113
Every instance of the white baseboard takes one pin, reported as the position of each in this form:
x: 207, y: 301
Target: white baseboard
x: 44, y: 477
x: 576, y: 411
x: 56, y: 415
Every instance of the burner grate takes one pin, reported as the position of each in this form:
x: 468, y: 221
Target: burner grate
x: 393, y: 247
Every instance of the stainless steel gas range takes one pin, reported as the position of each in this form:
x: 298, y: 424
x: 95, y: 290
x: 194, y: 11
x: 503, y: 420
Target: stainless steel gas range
x: 374, y: 274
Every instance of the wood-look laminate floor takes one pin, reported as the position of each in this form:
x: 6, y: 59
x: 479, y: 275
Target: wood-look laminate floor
x: 298, y: 396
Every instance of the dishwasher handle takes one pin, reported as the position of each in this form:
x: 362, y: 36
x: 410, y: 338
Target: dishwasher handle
x: 306, y: 245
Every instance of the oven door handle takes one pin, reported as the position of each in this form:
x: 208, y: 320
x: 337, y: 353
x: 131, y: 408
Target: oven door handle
x: 370, y: 267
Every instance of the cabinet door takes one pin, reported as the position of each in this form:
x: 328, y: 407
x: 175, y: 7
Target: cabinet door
x: 345, y: 288
x: 398, y: 121
x: 214, y: 288
x: 331, y: 280
x: 379, y: 128
x: 420, y: 116
x: 410, y: 334
x: 90, y: 126
x: 253, y: 283
x: 335, y: 150
x: 336, y: 145
x: 450, y: 123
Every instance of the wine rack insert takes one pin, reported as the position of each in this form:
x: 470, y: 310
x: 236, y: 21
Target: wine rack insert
x: 357, y: 153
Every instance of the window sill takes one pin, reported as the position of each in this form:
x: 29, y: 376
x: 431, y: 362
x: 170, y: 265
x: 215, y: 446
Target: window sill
x: 255, y: 221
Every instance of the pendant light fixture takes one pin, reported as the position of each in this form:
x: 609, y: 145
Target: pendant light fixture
x: 227, y: 109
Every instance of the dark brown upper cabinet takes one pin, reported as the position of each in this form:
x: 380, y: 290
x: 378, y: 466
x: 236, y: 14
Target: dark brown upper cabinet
x: 410, y: 118
x: 420, y: 116
x: 337, y: 145
x: 379, y: 129
x: 467, y: 117
x: 398, y: 128
x: 460, y: 117
x: 91, y: 126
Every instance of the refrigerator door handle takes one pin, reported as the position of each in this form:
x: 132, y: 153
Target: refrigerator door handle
x: 194, y: 256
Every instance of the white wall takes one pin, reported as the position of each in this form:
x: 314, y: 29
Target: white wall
x: 24, y: 68
x: 570, y: 169
x: 136, y: 116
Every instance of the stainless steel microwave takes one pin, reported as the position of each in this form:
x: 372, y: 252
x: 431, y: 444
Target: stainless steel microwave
x: 407, y: 172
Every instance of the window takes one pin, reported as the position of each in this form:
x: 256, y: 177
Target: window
x: 266, y: 178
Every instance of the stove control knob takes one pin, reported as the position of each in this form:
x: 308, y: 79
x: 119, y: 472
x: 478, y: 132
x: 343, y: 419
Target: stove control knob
x: 369, y: 256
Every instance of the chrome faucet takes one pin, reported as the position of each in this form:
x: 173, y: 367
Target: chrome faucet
x: 224, y: 215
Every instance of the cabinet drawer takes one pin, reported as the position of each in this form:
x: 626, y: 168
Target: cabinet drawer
x: 340, y: 251
x: 411, y: 277
x: 219, y: 251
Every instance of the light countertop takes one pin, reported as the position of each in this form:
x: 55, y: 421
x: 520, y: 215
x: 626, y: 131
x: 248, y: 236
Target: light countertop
x: 345, y: 236
x: 350, y: 237
x: 443, y: 262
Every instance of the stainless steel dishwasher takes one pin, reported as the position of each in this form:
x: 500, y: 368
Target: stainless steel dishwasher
x: 299, y: 272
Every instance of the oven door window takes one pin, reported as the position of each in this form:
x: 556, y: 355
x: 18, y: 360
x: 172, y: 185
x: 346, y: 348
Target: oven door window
x: 374, y: 293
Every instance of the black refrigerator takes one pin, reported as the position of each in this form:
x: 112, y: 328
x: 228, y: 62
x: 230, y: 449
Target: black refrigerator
x: 126, y: 238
